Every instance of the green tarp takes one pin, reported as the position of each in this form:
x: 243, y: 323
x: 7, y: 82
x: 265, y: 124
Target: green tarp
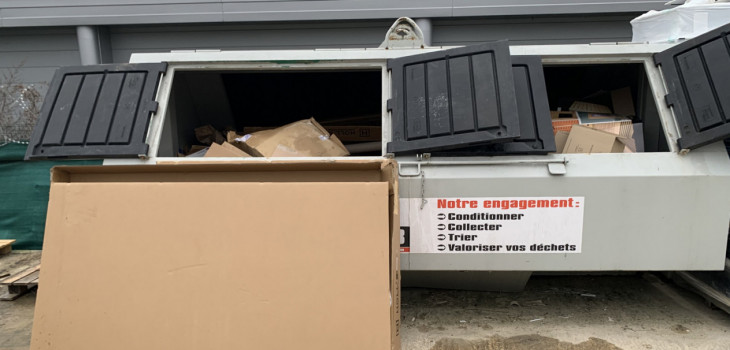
x: 24, y: 195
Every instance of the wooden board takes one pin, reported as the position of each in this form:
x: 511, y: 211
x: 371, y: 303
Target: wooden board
x: 5, y: 246
x: 17, y: 277
x: 20, y: 283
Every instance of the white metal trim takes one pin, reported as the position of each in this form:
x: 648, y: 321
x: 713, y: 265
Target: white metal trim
x: 377, y: 59
x: 556, y: 51
x: 157, y: 122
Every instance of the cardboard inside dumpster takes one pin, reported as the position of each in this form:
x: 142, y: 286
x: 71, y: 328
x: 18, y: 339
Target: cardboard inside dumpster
x: 283, y: 255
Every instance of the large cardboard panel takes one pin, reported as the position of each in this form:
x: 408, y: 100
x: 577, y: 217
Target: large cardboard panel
x: 353, y: 133
x: 583, y: 139
x: 623, y: 103
x: 224, y: 150
x: 265, y: 265
x: 304, y: 138
x: 561, y: 137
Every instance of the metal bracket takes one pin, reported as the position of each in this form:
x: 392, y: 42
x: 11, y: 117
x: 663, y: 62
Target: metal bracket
x: 407, y: 169
x: 410, y: 169
x: 403, y: 34
x: 557, y: 168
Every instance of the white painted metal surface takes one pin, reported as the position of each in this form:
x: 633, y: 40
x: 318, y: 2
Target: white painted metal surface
x: 598, y: 51
x: 643, y: 211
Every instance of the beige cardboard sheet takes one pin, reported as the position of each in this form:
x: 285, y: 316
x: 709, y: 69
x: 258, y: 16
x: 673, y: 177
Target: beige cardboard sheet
x: 202, y: 265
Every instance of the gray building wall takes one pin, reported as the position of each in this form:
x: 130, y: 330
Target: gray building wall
x: 120, y: 12
x: 522, y: 30
x: 35, y: 53
x: 38, y: 36
x: 28, y: 59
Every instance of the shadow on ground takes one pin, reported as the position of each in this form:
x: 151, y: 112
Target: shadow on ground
x: 521, y: 342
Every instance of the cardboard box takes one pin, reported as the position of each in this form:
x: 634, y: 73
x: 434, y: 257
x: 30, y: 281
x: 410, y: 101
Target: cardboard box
x: 356, y: 133
x: 304, y: 138
x: 580, y: 106
x: 561, y: 137
x: 225, y: 150
x: 563, y: 115
x: 592, y: 118
x: 267, y: 265
x: 583, y: 139
x: 622, y: 128
x: 344, y: 133
x: 208, y: 135
x: 196, y: 148
x: 623, y: 103
x: 563, y: 120
x: 638, y: 136
x: 197, y: 154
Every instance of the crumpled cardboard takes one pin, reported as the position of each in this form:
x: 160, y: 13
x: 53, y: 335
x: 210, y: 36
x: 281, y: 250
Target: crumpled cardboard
x: 207, y: 135
x: 304, y: 138
x: 583, y: 139
x: 225, y: 150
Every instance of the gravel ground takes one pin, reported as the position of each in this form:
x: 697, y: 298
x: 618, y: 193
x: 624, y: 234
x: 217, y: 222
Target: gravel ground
x: 16, y: 317
x: 631, y: 311
x: 636, y: 311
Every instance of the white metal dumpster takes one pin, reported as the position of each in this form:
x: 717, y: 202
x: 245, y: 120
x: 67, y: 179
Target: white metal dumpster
x: 465, y: 206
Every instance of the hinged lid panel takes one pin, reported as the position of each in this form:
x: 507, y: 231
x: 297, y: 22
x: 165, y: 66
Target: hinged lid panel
x: 98, y: 111
x: 697, y: 74
x: 453, y: 98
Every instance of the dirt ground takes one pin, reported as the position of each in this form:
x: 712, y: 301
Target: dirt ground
x: 16, y: 317
x: 577, y: 312
x: 634, y: 311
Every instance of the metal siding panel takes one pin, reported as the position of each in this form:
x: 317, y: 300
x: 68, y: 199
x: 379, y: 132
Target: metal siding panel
x: 331, y: 10
x: 39, y: 59
x: 122, y: 98
x: 88, y: 12
x: 119, y: 56
x: 358, y: 34
x: 93, y: 3
x: 439, y: 119
x: 111, y: 14
x: 38, y: 31
x: 233, y: 36
x: 37, y: 43
x: 533, y: 30
x: 32, y: 55
x: 37, y: 75
x: 696, y: 74
x: 128, y: 40
x: 542, y: 7
x: 496, y: 109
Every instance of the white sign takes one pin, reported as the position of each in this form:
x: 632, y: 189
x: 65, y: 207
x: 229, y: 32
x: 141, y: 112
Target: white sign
x: 493, y: 225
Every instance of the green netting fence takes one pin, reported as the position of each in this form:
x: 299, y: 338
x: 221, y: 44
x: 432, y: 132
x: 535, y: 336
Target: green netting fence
x: 24, y: 189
